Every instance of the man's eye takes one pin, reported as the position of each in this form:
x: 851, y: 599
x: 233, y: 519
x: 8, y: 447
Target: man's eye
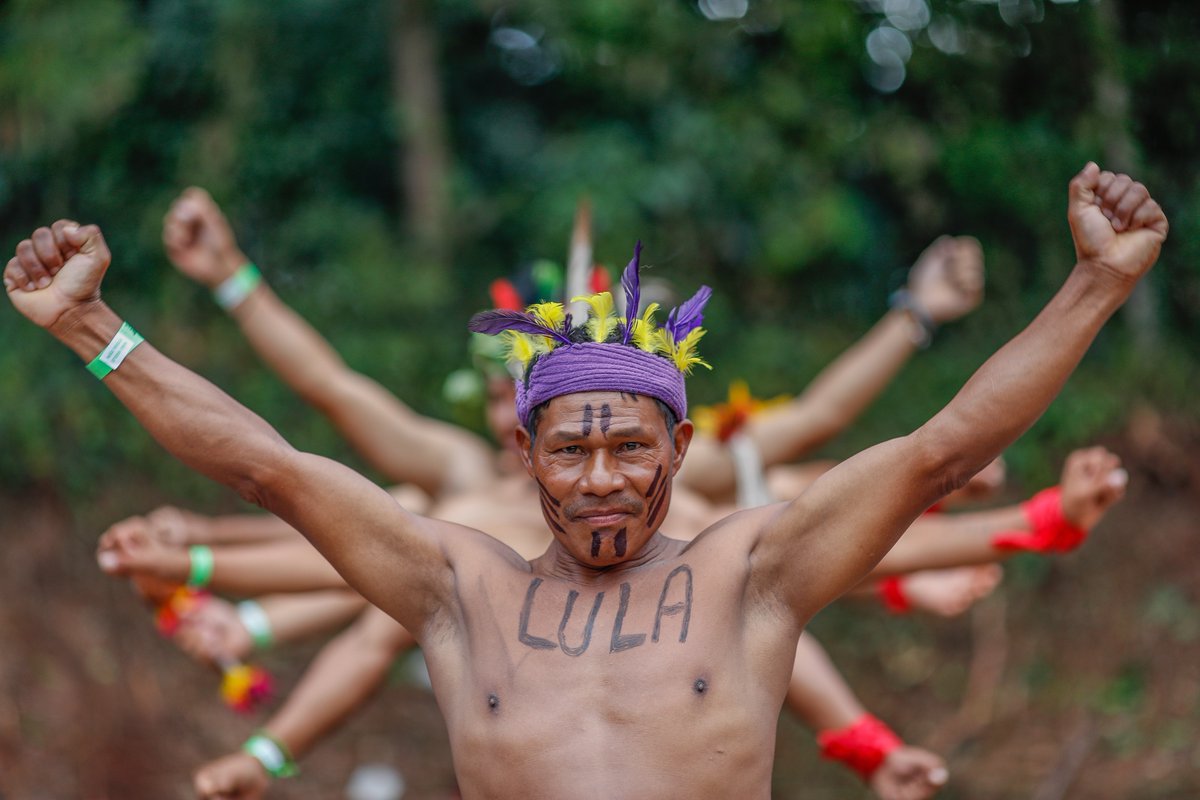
x: 571, y: 449
x: 627, y: 446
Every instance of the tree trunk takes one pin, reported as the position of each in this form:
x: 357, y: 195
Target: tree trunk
x: 424, y: 162
x: 1142, y: 311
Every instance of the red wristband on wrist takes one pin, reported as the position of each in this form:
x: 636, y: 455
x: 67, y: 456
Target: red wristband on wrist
x: 1049, y: 530
x: 891, y: 594
x: 861, y: 746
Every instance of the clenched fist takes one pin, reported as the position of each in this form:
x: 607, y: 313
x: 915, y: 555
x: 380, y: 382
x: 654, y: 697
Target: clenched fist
x: 56, y: 270
x: 1117, y: 226
x: 198, y: 239
x: 947, y: 280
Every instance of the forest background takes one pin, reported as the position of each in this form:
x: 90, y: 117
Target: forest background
x: 384, y: 161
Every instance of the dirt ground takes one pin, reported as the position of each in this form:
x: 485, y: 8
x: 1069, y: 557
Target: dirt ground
x: 1079, y: 679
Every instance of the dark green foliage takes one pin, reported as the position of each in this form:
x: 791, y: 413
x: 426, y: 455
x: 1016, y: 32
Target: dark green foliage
x: 756, y: 155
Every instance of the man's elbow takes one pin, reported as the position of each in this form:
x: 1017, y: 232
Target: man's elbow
x: 266, y: 477
x: 945, y: 465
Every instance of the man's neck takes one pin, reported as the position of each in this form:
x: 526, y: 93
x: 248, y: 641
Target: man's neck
x: 558, y: 562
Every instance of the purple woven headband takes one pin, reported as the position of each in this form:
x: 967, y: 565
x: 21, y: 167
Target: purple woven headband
x: 595, y: 367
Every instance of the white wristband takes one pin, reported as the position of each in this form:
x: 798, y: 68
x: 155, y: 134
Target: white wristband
x: 110, y: 357
x: 256, y: 622
x: 237, y: 287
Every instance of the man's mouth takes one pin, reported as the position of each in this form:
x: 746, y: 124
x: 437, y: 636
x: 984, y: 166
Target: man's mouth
x: 603, y: 517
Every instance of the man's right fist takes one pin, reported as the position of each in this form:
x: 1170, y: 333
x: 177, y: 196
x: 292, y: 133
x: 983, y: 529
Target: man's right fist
x: 947, y: 279
x: 55, y: 270
x: 198, y: 239
x: 1092, y: 480
x: 237, y: 776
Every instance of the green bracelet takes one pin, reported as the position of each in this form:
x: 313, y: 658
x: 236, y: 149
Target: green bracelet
x: 257, y: 623
x: 271, y: 753
x: 122, y: 344
x: 237, y: 287
x: 200, y: 570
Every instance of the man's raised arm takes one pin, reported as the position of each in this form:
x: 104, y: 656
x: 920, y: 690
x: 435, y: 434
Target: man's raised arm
x: 944, y: 284
x: 54, y: 281
x: 823, y: 542
x: 400, y: 443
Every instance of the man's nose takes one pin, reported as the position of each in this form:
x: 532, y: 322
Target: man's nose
x: 601, y: 477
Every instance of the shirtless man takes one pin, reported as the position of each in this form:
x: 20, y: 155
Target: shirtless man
x: 673, y: 686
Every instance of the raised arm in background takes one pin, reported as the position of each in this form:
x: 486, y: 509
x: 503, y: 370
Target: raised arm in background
x: 215, y: 631
x: 815, y: 548
x: 1091, y: 483
x: 945, y: 283
x: 340, y: 680
x: 405, y: 446
x: 54, y: 281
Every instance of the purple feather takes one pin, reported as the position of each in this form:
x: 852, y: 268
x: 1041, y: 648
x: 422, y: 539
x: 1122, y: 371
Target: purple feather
x: 500, y: 320
x: 633, y: 290
x: 689, y: 316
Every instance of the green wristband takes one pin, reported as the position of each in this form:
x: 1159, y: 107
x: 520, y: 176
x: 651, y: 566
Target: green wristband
x: 122, y: 344
x: 271, y: 753
x: 237, y: 287
x: 257, y: 623
x: 200, y: 570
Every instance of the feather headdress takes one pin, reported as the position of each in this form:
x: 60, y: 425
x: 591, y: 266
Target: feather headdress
x: 540, y: 337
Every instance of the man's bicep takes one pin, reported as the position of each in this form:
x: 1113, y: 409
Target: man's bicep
x: 393, y: 558
x: 822, y: 543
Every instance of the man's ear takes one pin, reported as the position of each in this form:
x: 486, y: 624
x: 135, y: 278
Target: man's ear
x: 682, y: 440
x: 524, y: 446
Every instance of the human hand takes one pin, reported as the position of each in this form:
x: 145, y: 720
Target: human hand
x: 199, y: 240
x: 1092, y: 480
x: 909, y: 773
x: 1117, y: 226
x: 56, y: 270
x: 213, y: 634
x: 947, y: 279
x: 128, y: 548
x: 237, y: 776
x: 177, y: 527
x: 950, y: 592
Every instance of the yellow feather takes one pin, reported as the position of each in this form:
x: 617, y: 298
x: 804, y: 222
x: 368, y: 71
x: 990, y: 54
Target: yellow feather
x: 643, y: 331
x: 684, y: 353
x: 602, y: 321
x: 549, y: 314
x: 521, y: 347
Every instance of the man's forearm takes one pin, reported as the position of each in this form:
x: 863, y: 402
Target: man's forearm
x: 297, y: 616
x: 190, y: 417
x: 340, y: 680
x: 1014, y: 387
x: 251, y: 570
x: 951, y: 540
x: 834, y: 399
x: 244, y: 529
x: 377, y: 424
x: 817, y: 693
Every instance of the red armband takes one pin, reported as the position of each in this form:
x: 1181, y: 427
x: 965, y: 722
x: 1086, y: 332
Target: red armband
x: 1049, y: 530
x: 891, y: 594
x: 861, y: 746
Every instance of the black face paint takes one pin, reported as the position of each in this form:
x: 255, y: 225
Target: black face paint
x: 596, y: 539
x: 605, y: 418
x: 620, y: 543
x: 662, y: 496
x: 587, y: 419
x: 654, y: 483
x: 546, y: 494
